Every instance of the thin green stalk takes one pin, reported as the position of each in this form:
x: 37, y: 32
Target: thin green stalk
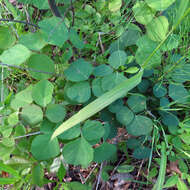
x: 161, y: 177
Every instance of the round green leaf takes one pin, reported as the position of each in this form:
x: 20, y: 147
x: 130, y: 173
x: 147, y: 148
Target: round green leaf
x: 142, y: 152
x: 142, y: 12
x: 22, y: 98
x: 158, y: 28
x: 159, y: 5
x: 133, y: 143
x: 33, y: 41
x: 79, y: 70
x: 55, y: 113
x: 114, y: 5
x: 44, y: 148
x: 116, y: 106
x: 137, y: 102
x: 92, y: 130
x: 7, y: 38
x: 15, y: 55
x: 178, y: 93
x: 40, y: 62
x: 71, y: 133
x: 42, y: 92
x: 159, y: 90
x: 78, y: 152
x: 141, y: 125
x: 54, y: 31
x: 171, y: 42
x: 132, y: 70
x: 96, y: 87
x: 169, y: 119
x: 125, y: 115
x: 31, y: 114
x: 104, y: 152
x: 102, y: 70
x: 117, y: 59
x: 79, y: 92
x: 110, y: 81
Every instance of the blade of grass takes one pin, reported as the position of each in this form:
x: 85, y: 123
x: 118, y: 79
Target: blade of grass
x: 100, y: 103
x: 162, y: 171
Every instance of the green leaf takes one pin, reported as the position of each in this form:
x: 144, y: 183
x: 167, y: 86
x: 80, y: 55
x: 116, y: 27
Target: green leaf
x: 92, y: 130
x: 110, y: 81
x: 102, y: 70
x: 75, y: 39
x: 61, y: 172
x: 33, y: 41
x: 79, y: 92
x: 55, y: 113
x: 132, y: 70
x: 76, y: 185
x: 22, y: 98
x: 115, y: 5
x: 125, y: 116
x: 159, y: 5
x: 79, y: 70
x: 31, y: 114
x: 116, y: 106
x: 42, y: 92
x: 143, y: 13
x: 71, y: 133
x: 128, y: 38
x: 104, y: 152
x: 40, y: 62
x: 137, y: 102
x: 15, y: 55
x: 54, y: 31
x: 100, y: 103
x: 97, y: 88
x: 117, y: 59
x: 133, y: 143
x: 13, y: 119
x: 141, y: 125
x: 43, y: 148
x: 78, y: 152
x: 181, y: 185
x: 169, y: 119
x: 8, y: 141
x: 158, y: 28
x: 37, y: 175
x: 125, y: 168
x: 178, y: 93
x: 142, y: 152
x: 172, y: 42
x: 7, y: 37
x: 159, y: 90
x: 145, y: 48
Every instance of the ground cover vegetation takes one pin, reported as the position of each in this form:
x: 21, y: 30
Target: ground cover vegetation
x: 95, y: 94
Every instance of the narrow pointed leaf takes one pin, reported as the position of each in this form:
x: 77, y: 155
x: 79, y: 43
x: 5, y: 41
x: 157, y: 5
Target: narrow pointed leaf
x: 100, y: 103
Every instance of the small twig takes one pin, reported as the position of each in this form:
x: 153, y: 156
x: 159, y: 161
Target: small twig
x: 99, y: 176
x: 90, y: 173
x: 100, y: 40
x: 19, y: 21
x: 138, y: 173
x: 27, y: 135
x: 73, y: 13
x: 2, y: 85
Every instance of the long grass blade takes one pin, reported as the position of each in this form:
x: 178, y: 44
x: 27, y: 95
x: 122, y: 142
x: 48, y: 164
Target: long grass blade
x: 161, y: 177
x: 100, y: 103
